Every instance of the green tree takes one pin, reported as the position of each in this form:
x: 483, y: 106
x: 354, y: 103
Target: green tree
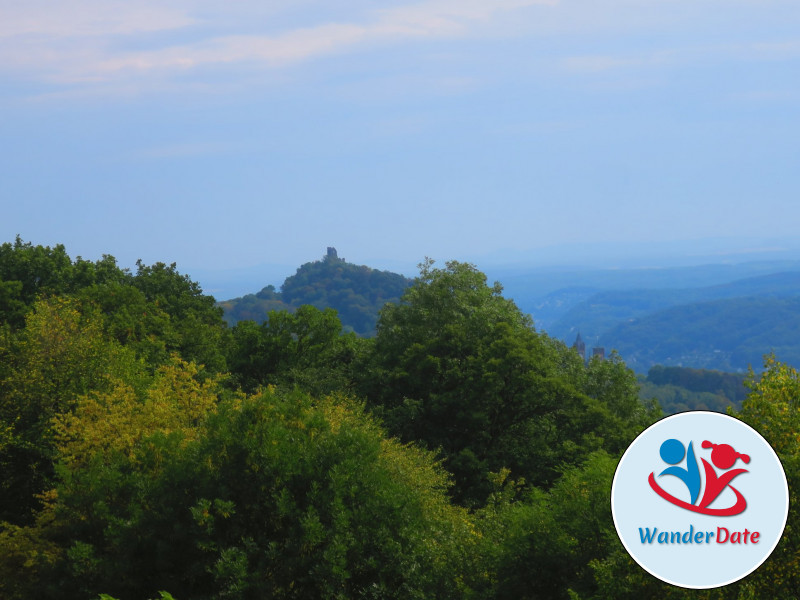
x: 29, y: 272
x: 156, y: 311
x: 773, y: 409
x: 277, y: 496
x: 60, y: 354
x: 32, y: 271
x: 355, y: 292
x: 459, y: 367
x: 539, y: 544
x: 195, y: 322
x: 305, y: 348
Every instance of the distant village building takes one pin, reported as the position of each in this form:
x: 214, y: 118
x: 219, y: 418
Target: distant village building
x: 580, y: 347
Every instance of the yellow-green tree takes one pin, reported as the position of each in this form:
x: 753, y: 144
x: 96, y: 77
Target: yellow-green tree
x: 60, y: 354
x: 278, y: 495
x: 116, y: 420
x: 108, y: 426
x: 773, y: 409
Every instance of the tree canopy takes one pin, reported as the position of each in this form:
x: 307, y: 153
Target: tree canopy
x: 147, y: 449
x: 458, y: 367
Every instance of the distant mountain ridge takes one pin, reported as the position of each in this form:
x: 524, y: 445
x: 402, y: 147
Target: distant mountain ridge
x: 356, y: 292
x: 548, y: 294
x: 726, y: 327
x: 604, y: 310
x: 728, y: 335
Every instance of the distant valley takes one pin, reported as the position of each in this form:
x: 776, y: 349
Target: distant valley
x: 723, y: 317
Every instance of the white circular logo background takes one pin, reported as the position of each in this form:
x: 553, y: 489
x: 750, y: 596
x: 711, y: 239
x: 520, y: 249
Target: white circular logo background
x: 675, y: 489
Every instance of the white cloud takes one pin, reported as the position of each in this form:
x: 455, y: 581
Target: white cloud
x: 448, y: 17
x: 96, y: 44
x: 85, y: 42
x: 78, y: 18
x: 684, y: 55
x: 599, y: 63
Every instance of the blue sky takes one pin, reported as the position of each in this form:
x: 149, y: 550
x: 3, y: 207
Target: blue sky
x: 232, y: 135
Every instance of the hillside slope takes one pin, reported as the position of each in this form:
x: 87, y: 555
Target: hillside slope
x: 602, y: 311
x: 356, y: 292
x: 727, y: 335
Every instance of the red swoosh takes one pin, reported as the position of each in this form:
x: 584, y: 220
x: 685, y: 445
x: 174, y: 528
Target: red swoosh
x: 737, y: 508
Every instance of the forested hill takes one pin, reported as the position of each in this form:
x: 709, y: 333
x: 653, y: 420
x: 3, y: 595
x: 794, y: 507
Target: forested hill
x: 727, y: 335
x: 680, y: 388
x: 601, y: 311
x: 727, y: 327
x: 356, y: 292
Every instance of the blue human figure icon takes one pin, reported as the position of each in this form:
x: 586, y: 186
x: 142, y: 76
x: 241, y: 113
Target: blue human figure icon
x: 672, y: 452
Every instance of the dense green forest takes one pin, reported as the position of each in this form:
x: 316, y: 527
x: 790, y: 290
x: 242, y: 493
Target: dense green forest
x: 600, y: 311
x: 726, y: 327
x: 147, y: 446
x: 355, y: 292
x: 727, y: 335
x: 677, y: 389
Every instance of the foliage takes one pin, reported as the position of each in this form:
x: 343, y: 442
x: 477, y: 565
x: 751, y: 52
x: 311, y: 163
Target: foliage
x: 156, y: 311
x: 305, y: 348
x: 730, y: 385
x: 253, y: 307
x: 461, y: 369
x: 540, y: 544
x: 59, y: 355
x: 118, y: 419
x: 728, y: 335
x: 679, y: 388
x: 71, y: 327
x: 773, y: 409
x: 674, y: 399
x: 280, y: 496
x: 162, y: 596
x: 195, y: 326
x: 130, y: 462
x: 27, y: 558
x: 28, y: 272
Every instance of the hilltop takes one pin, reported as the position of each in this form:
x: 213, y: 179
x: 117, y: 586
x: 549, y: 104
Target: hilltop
x: 356, y: 292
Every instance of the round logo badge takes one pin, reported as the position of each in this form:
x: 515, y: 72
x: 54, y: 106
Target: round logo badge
x: 699, y: 499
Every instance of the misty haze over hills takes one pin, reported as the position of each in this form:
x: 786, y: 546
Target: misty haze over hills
x: 653, y: 308
x: 538, y: 272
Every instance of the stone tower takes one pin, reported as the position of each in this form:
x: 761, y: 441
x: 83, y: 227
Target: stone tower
x: 580, y: 347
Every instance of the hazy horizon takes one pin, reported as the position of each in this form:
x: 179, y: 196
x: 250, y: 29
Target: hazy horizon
x: 236, y: 281
x: 508, y: 133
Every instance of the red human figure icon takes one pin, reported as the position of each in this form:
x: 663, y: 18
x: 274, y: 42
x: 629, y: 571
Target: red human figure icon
x: 724, y: 457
